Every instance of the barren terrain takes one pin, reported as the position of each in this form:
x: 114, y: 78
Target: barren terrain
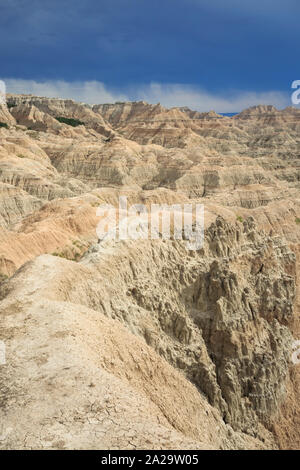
x: 144, y: 344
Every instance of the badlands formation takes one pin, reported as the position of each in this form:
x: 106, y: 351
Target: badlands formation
x: 145, y: 344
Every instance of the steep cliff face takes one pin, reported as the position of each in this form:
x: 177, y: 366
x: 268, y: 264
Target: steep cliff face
x: 209, y: 315
x: 120, y: 113
x: 61, y: 108
x: 199, y: 339
x: 219, y: 316
x: 5, y: 116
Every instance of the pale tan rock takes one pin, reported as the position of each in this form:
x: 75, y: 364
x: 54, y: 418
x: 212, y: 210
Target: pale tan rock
x: 64, y: 108
x: 5, y: 116
x: 200, y: 340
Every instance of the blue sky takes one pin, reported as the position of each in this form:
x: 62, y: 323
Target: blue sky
x: 213, y: 54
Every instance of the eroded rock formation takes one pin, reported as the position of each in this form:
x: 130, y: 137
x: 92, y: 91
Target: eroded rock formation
x: 145, y: 344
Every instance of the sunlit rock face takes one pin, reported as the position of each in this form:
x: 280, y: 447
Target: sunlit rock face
x: 144, y: 343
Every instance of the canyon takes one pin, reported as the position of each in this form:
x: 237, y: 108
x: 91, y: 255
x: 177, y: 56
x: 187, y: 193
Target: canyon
x: 144, y: 344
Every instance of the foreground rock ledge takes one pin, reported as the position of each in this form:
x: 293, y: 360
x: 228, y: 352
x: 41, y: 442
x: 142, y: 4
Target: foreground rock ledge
x: 148, y: 345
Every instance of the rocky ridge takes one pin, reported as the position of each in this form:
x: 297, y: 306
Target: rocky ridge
x: 201, y: 340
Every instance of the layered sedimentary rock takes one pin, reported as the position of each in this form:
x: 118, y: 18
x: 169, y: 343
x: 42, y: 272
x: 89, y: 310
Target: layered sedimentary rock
x: 5, y: 116
x: 145, y: 344
x: 64, y: 108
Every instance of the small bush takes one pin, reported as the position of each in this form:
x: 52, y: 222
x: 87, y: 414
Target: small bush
x: 77, y: 243
x: 70, y: 121
x: 33, y: 134
x: 3, y: 124
x: 3, y: 277
x: 75, y: 257
x: 297, y: 220
x: 239, y: 218
x: 60, y: 255
x: 11, y: 105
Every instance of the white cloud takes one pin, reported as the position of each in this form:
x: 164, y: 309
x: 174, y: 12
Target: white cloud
x: 201, y: 100
x: 168, y: 95
x: 88, y: 92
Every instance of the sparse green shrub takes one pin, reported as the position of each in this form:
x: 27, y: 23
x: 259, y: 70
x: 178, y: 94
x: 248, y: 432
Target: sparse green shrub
x: 33, y: 134
x: 77, y: 243
x: 239, y: 218
x: 76, y: 256
x: 297, y: 220
x: 3, y: 277
x: 3, y: 124
x: 70, y: 121
x: 60, y: 255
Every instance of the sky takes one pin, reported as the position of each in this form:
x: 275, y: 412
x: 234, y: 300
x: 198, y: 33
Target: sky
x: 206, y: 54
